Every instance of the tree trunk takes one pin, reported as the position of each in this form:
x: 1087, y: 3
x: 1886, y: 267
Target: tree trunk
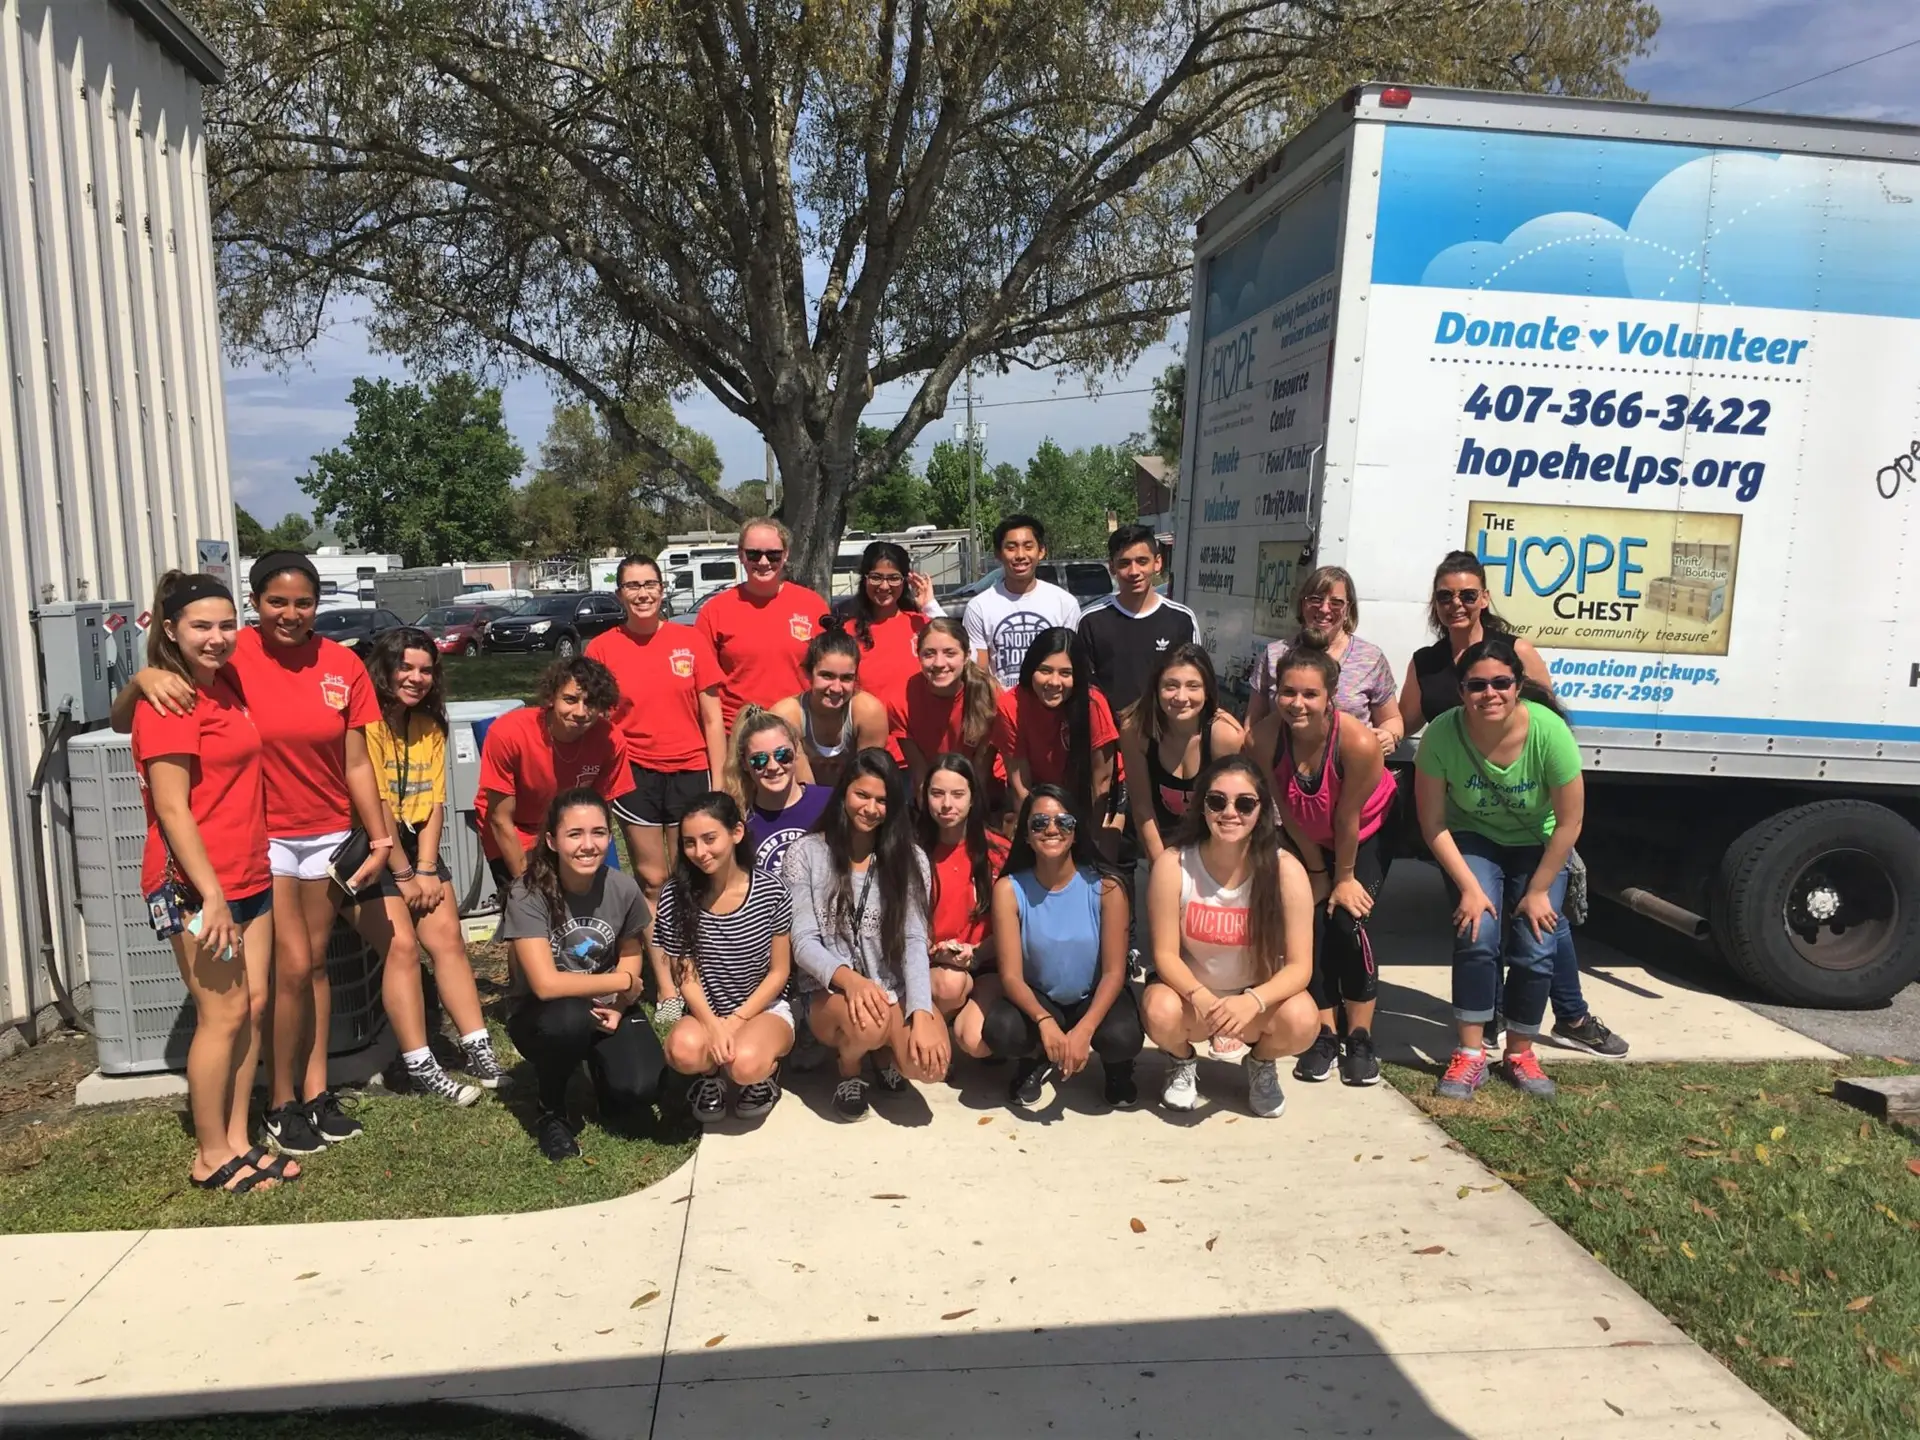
x: 814, y: 485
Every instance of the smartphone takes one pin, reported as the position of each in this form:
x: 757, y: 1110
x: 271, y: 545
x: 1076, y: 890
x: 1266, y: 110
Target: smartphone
x: 193, y: 929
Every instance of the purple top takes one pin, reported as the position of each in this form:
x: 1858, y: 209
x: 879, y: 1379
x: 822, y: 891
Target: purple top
x: 771, y: 831
x: 1366, y: 679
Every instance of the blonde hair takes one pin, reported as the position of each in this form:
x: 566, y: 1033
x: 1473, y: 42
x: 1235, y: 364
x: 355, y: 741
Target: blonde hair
x: 752, y: 721
x: 766, y: 522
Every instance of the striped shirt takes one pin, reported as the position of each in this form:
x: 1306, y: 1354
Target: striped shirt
x: 735, y: 950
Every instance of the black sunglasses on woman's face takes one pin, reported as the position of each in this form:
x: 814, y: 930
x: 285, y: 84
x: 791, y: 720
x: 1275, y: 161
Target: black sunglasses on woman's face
x: 1041, y: 824
x: 1242, y: 804
x: 1479, y: 685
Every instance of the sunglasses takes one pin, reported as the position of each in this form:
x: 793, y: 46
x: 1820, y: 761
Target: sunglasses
x: 1499, y: 684
x: 770, y: 557
x: 1041, y: 824
x: 1242, y: 804
x: 1469, y: 596
x: 783, y: 756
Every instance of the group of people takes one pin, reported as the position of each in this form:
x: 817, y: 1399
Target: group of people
x: 873, y: 835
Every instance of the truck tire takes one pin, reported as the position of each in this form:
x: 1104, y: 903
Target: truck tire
x: 1820, y: 905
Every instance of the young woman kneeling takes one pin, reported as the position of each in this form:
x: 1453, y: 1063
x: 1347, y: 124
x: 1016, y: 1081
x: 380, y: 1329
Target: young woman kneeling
x: 1061, y: 928
x: 966, y: 858
x: 859, y: 891
x: 1232, y: 922
x: 725, y: 925
x: 577, y: 930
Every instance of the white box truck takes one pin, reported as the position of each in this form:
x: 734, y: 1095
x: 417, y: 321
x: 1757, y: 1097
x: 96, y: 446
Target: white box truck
x: 1659, y: 368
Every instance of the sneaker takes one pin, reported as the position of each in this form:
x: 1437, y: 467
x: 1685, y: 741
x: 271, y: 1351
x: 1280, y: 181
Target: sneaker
x: 1494, y: 1033
x: 1523, y: 1072
x: 757, y: 1099
x: 1264, y: 1095
x: 554, y: 1137
x: 483, y: 1066
x: 1183, y: 1084
x: 707, y: 1095
x: 889, y: 1076
x: 331, y: 1122
x: 669, y: 1010
x: 1590, y: 1034
x: 1122, y: 1092
x: 1359, y: 1064
x: 1136, y: 967
x: 1030, y: 1083
x: 1466, y: 1073
x: 1318, y: 1062
x: 430, y: 1079
x: 850, y: 1098
x: 291, y: 1132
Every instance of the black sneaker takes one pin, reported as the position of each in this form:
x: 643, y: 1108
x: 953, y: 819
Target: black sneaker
x: 889, y: 1076
x: 707, y: 1095
x: 1030, y: 1083
x: 291, y: 1132
x: 757, y: 1099
x: 1122, y: 1093
x: 555, y: 1137
x: 1318, y: 1062
x: 1494, y: 1034
x: 1359, y: 1065
x: 332, y: 1123
x: 850, y: 1098
x: 1590, y: 1034
x: 483, y: 1066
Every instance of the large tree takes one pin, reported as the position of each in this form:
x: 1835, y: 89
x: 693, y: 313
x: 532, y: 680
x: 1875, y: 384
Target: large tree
x: 789, y: 203
x: 424, y: 474
x: 590, y: 494
x: 292, y: 533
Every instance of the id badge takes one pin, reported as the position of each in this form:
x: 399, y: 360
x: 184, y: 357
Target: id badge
x: 163, y: 910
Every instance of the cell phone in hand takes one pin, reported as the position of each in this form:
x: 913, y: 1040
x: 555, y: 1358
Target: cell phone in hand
x: 194, y: 927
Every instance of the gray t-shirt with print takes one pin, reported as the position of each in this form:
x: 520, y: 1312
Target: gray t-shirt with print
x: 588, y: 943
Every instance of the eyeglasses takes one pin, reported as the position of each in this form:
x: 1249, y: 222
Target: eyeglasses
x: 642, y: 587
x: 885, y: 577
x: 781, y: 756
x: 1041, y: 824
x: 1469, y: 596
x: 1328, y: 603
x: 1242, y: 804
x: 1499, y: 684
x: 770, y: 557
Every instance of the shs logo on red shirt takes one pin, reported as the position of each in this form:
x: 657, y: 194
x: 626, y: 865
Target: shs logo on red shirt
x: 334, y: 690
x: 681, y: 663
x: 800, y: 626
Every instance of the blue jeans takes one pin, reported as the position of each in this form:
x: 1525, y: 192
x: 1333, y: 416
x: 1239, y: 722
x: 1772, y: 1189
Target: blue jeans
x: 1569, y: 1001
x: 1503, y: 873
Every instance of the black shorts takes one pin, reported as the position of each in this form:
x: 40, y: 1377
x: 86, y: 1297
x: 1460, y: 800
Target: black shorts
x: 661, y: 797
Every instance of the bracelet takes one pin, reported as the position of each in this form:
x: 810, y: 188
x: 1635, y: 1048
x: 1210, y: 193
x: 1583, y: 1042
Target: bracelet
x: 406, y: 874
x: 1311, y: 870
x: 1255, y: 994
x: 1046, y: 1016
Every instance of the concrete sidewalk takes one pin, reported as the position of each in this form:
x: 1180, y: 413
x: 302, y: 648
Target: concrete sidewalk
x: 944, y: 1269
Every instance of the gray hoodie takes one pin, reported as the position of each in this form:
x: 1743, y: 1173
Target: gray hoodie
x: 821, y: 947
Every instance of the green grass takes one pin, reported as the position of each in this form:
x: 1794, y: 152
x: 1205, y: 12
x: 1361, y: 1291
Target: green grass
x: 494, y: 677
x: 1776, y: 1226
x: 410, y: 1422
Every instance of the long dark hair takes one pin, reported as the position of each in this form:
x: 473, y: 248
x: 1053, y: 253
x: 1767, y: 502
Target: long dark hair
x: 693, y: 885
x: 979, y: 856
x: 1145, y: 713
x: 1086, y: 854
x: 1075, y: 709
x: 384, y: 659
x: 833, y: 639
x: 979, y: 695
x: 1463, y: 562
x: 862, y: 609
x: 542, y: 876
x: 896, y: 876
x: 1266, y: 924
x: 1500, y: 648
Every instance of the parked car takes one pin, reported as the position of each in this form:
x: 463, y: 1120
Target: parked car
x: 560, y: 623
x: 355, y: 629
x: 1088, y: 581
x: 458, y: 629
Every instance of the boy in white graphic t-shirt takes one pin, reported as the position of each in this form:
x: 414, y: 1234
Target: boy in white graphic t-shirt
x: 1003, y: 621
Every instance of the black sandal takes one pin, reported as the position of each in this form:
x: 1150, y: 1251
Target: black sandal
x: 223, y: 1181
x: 271, y: 1166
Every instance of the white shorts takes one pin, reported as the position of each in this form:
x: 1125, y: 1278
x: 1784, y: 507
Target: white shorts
x: 302, y: 857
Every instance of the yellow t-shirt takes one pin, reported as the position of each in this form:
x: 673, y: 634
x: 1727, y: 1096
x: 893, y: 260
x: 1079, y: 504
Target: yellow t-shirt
x: 423, y: 761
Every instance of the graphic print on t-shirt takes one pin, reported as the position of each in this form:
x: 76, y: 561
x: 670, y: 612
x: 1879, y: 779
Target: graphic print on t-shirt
x: 334, y: 690
x: 1012, y: 638
x: 1215, y: 924
x: 580, y: 945
x: 681, y: 662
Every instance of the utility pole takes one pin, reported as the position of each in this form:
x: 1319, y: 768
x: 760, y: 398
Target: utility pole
x: 973, y: 479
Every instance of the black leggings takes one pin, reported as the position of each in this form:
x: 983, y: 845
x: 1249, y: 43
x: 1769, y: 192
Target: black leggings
x: 1117, y: 1039
x: 556, y: 1035
x: 1343, y: 967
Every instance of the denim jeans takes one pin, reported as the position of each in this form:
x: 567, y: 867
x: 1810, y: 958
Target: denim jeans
x: 1569, y: 1000
x: 1504, y: 939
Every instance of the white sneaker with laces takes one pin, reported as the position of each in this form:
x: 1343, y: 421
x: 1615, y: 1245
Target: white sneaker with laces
x: 1183, y: 1084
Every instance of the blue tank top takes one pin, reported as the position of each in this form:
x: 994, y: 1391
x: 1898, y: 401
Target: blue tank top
x: 1060, y: 935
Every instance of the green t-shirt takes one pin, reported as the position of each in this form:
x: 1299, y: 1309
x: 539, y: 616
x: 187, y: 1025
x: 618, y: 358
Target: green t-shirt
x: 1520, y: 810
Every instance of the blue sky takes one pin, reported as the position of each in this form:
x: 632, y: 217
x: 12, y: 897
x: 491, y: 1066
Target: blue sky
x: 1709, y: 52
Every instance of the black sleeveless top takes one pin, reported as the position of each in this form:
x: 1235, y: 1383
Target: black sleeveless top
x: 1433, y: 673
x: 1172, y: 795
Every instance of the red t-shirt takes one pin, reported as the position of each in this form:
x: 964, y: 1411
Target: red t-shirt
x: 761, y: 644
x: 661, y: 680
x: 228, y: 795
x: 953, y: 897
x: 521, y: 759
x: 1030, y: 730
x: 893, y: 660
x: 304, y: 700
x: 935, y: 723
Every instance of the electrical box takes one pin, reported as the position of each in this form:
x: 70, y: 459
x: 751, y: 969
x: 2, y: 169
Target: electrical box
x: 126, y: 644
x: 467, y: 721
x: 73, y: 660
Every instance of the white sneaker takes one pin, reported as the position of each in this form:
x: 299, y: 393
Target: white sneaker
x: 1183, y: 1087
x: 1264, y: 1095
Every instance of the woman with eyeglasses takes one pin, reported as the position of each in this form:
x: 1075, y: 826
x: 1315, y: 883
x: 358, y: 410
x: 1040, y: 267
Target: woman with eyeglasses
x: 1501, y: 801
x: 759, y: 629
x: 951, y: 706
x: 888, y: 614
x: 1060, y: 923
x: 834, y: 716
x: 1335, y: 791
x: 1462, y: 616
x: 1328, y: 609
x: 965, y: 858
x: 1056, y: 728
x: 1232, y: 919
x: 670, y: 722
x: 764, y: 779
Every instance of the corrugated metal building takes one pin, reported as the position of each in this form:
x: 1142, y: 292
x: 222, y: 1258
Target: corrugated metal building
x: 113, y: 461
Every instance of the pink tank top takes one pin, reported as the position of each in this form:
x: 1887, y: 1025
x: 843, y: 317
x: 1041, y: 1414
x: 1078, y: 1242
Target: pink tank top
x: 1310, y: 803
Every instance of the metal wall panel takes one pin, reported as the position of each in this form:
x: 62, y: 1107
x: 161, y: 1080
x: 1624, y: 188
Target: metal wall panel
x: 113, y: 454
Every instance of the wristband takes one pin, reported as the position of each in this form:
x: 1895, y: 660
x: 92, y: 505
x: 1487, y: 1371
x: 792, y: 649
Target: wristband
x: 385, y: 843
x: 1044, y: 1018
x: 1312, y: 871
